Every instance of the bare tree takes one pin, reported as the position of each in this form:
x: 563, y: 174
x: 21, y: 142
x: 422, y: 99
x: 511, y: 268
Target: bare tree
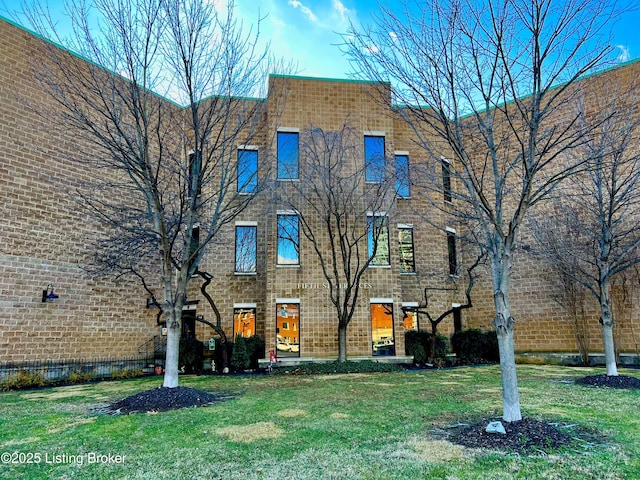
x: 423, y: 307
x: 594, y: 238
x: 166, y: 178
x: 487, y: 85
x: 343, y: 216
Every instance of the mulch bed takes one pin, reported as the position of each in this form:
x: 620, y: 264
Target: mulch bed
x: 619, y: 381
x: 162, y: 399
x: 527, y: 436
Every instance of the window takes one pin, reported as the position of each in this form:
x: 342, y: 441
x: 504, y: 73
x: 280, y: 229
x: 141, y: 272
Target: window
x: 194, y: 245
x: 246, y: 247
x: 247, y: 169
x: 382, y: 336
x: 446, y: 180
x: 405, y: 239
x: 374, y: 158
x: 244, y: 320
x: 287, y: 327
x: 451, y: 247
x: 410, y: 316
x: 195, y: 174
x: 402, y: 175
x: 378, y: 239
x: 288, y: 155
x: 288, y: 239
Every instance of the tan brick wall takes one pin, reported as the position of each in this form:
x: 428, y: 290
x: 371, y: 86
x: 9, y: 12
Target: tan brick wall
x: 44, y: 240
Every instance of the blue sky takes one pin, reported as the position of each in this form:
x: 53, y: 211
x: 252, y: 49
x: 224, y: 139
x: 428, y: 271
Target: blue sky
x: 307, y: 31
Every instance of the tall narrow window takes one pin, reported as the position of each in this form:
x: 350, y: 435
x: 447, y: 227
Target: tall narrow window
x: 378, y: 239
x: 402, y: 175
x: 446, y: 180
x: 247, y: 169
x: 246, y: 247
x: 451, y: 247
x: 193, y: 247
x: 382, y: 336
x: 374, y: 158
x: 195, y: 174
x: 287, y: 327
x: 244, y: 320
x: 288, y: 239
x: 288, y: 146
x: 405, y: 239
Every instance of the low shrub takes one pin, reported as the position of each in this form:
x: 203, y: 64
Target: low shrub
x: 127, y: 373
x: 23, y: 379
x: 365, y: 366
x: 418, y: 344
x: 475, y: 346
x: 81, y: 377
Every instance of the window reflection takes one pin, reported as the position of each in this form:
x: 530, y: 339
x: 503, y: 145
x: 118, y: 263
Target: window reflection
x: 244, y: 322
x: 288, y: 240
x: 382, y: 329
x: 287, y: 329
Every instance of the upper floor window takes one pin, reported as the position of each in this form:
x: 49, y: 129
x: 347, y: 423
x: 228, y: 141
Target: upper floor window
x: 195, y: 174
x: 288, y: 239
x: 446, y: 180
x: 374, y: 158
x: 247, y: 169
x: 246, y: 247
x: 402, y: 174
x: 451, y: 249
x: 405, y: 238
x: 288, y: 148
x: 378, y: 239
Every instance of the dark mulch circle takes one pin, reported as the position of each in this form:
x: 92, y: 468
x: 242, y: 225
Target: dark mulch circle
x: 618, y: 381
x: 162, y: 399
x: 525, y: 437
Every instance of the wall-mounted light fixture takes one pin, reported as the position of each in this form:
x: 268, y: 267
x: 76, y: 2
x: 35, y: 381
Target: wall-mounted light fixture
x: 151, y: 303
x: 48, y: 295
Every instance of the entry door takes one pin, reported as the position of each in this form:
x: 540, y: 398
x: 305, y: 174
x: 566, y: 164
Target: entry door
x: 382, y: 335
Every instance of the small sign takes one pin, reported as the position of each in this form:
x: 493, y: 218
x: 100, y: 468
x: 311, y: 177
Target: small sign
x: 164, y: 331
x: 212, y: 344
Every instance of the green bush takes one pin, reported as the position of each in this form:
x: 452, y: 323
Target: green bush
x: 365, y: 366
x: 255, y: 349
x: 240, y: 360
x: 22, y: 380
x: 475, y: 346
x: 418, y: 344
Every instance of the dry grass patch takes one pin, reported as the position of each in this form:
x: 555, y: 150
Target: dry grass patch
x: 252, y: 433
x: 437, y: 451
x: 292, y: 413
x: 339, y: 416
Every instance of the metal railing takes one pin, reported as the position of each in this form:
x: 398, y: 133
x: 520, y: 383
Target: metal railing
x: 78, y: 369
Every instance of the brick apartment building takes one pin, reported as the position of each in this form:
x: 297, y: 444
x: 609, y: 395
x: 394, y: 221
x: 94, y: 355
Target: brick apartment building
x: 265, y: 282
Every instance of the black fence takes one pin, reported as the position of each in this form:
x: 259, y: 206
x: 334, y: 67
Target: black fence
x: 78, y: 369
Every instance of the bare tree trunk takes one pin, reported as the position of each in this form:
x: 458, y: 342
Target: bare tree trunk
x: 505, y: 323
x: 342, y: 343
x: 173, y: 349
x: 607, y: 327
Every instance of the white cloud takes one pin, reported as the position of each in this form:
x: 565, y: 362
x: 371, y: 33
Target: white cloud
x: 372, y: 49
x: 306, y: 10
x: 394, y: 36
x: 624, y: 55
x: 340, y: 8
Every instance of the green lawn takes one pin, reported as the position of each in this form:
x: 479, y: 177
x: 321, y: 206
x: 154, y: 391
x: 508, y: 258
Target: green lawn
x: 358, y: 426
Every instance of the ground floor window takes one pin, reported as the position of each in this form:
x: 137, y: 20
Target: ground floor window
x: 244, y: 320
x: 410, y: 316
x: 382, y: 336
x: 288, y: 328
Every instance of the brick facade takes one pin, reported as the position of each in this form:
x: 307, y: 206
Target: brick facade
x: 43, y: 240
